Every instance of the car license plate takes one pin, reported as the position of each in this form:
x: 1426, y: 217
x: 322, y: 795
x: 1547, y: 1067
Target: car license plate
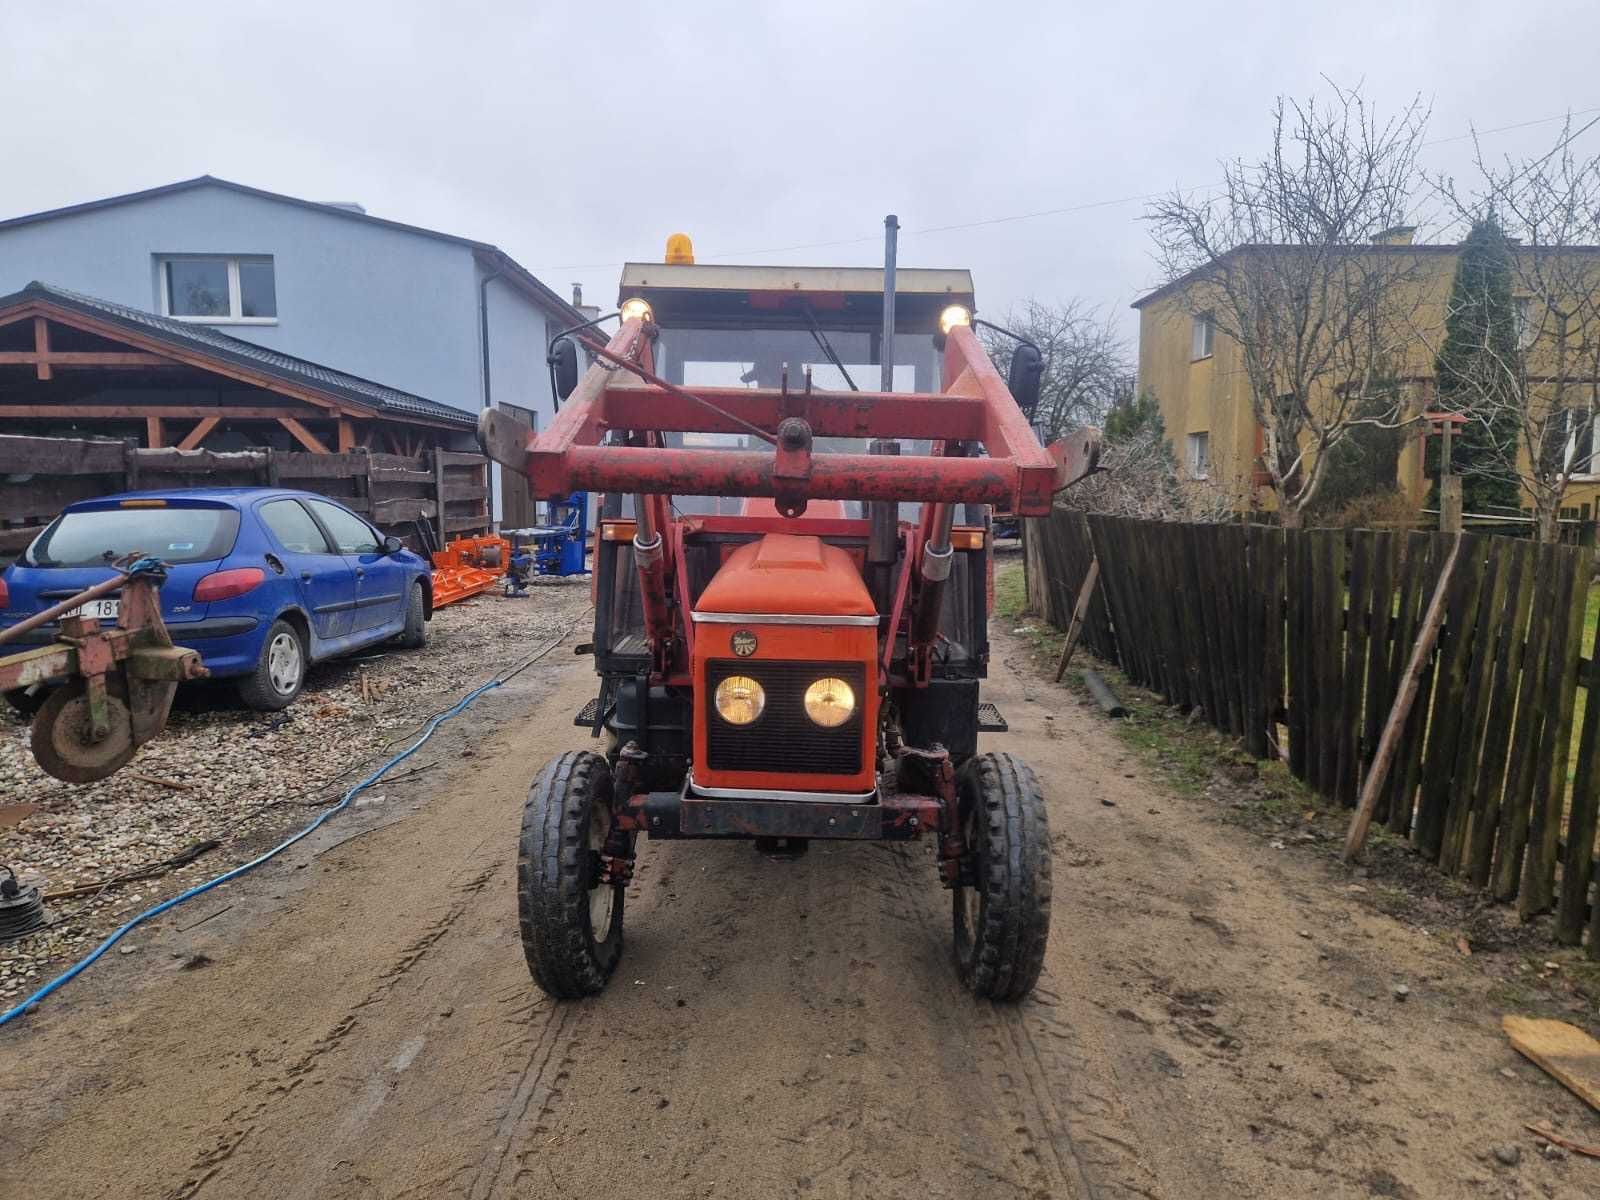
x: 101, y: 610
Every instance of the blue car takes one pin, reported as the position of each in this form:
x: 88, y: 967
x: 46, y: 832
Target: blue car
x: 264, y: 581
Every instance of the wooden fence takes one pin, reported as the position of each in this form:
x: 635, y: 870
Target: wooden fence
x: 41, y: 476
x: 1295, y: 641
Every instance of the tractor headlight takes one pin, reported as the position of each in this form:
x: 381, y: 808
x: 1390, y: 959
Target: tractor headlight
x: 740, y: 699
x: 955, y: 315
x: 637, y: 307
x: 829, y: 702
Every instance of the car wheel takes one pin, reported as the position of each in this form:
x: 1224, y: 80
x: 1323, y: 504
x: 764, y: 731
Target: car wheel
x: 415, y: 635
x: 280, y: 670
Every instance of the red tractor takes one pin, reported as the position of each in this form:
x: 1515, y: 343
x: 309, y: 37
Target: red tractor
x: 792, y: 584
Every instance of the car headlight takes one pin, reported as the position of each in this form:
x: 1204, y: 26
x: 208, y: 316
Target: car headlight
x: 740, y: 699
x: 829, y: 702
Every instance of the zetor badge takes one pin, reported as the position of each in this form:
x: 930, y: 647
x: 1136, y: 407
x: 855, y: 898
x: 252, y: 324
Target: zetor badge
x: 744, y: 643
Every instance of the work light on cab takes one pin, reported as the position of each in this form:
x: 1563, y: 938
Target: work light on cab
x: 955, y: 315
x: 830, y: 702
x: 740, y: 700
x: 637, y: 309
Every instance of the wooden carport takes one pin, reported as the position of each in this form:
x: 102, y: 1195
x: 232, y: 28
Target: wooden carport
x: 74, y: 366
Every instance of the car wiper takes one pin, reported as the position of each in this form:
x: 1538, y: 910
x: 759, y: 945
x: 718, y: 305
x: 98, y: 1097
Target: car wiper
x: 827, y: 349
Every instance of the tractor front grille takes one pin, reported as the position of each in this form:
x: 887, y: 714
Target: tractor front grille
x: 783, y: 738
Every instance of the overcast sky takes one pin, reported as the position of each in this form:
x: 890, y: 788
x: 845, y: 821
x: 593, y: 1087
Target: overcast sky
x: 575, y: 136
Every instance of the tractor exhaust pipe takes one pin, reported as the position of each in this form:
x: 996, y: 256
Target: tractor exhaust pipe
x: 650, y: 559
x: 937, y: 557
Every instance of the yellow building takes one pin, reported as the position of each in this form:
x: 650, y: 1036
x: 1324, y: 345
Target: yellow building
x: 1197, y: 372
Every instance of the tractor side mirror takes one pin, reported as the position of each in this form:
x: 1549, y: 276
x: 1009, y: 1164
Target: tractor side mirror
x: 393, y: 545
x: 1025, y: 377
x: 563, y: 360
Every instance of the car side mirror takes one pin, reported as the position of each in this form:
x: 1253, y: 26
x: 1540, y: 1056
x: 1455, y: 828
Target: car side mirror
x: 393, y: 545
x: 563, y: 360
x: 1026, y: 377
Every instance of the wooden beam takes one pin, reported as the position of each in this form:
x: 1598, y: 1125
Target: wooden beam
x: 303, y: 435
x: 1080, y: 612
x: 138, y: 412
x: 347, y: 436
x: 41, y: 346
x: 195, y: 436
x: 83, y: 358
x: 153, y: 433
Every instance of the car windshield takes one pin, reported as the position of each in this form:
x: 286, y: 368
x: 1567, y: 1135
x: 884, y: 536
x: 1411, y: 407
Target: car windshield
x: 96, y: 537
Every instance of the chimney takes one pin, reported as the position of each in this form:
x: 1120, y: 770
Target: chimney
x: 1395, y: 235
x: 577, y: 295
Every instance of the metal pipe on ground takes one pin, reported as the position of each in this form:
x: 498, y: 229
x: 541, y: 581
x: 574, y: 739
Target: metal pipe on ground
x: 1103, y: 695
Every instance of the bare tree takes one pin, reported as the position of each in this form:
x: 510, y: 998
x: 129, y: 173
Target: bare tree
x: 1138, y: 477
x: 1087, y: 367
x: 1527, y: 380
x: 1284, y: 259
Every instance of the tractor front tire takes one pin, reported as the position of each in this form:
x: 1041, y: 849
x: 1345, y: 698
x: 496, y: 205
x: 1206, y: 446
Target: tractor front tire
x: 571, y: 923
x: 1002, y: 922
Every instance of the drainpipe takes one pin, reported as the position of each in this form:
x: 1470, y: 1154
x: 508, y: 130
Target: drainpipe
x: 483, y: 332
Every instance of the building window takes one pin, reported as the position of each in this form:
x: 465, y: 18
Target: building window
x: 219, y: 290
x: 1202, y: 335
x: 1525, y: 326
x: 1574, y: 430
x: 1199, y: 455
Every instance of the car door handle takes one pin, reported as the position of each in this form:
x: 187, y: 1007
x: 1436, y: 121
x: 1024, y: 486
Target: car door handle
x: 305, y: 576
x: 361, y: 572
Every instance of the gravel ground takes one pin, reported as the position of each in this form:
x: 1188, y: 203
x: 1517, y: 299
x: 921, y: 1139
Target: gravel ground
x: 222, y: 772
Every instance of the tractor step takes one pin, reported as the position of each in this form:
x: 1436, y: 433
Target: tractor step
x: 990, y: 720
x: 586, y: 714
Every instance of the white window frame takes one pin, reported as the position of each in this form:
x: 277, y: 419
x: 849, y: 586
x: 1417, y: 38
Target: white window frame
x: 1522, y: 308
x: 1191, y: 459
x: 235, y: 300
x: 1202, y: 346
x: 1591, y: 475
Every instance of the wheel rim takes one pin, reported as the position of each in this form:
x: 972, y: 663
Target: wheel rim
x: 602, y: 896
x: 971, y: 898
x: 284, y: 666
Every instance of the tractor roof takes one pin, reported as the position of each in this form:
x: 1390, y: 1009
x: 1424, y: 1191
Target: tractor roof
x: 684, y: 294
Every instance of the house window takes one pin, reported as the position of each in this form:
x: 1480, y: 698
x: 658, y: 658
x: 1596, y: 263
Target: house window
x: 1202, y: 335
x: 1575, y: 430
x: 219, y: 290
x: 1199, y: 455
x: 1525, y: 326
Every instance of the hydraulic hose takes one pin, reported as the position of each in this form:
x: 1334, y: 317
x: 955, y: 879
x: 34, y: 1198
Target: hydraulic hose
x: 355, y: 790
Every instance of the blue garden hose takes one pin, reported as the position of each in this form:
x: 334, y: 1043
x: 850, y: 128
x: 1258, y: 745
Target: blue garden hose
x: 122, y: 930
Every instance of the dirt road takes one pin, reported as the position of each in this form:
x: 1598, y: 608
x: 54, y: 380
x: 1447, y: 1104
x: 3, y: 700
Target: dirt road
x: 1215, y: 1020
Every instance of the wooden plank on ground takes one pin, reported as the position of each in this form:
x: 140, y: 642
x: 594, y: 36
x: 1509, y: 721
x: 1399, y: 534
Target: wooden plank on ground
x: 1562, y: 1051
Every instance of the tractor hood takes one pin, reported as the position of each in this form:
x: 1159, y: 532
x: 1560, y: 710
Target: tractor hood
x: 788, y: 574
